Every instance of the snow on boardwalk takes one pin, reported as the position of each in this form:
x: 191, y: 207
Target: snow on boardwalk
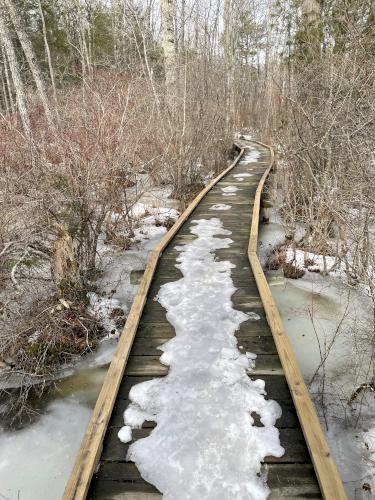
x: 200, y: 424
x: 205, y: 444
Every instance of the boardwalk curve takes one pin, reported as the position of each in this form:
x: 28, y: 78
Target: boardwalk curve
x: 307, y: 469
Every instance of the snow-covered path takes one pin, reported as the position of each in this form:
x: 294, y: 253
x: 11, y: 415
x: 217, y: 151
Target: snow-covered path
x: 199, y: 416
x: 205, y: 444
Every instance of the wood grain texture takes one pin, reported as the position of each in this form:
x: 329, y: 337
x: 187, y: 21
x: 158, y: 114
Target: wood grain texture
x: 91, y: 446
x: 325, y: 467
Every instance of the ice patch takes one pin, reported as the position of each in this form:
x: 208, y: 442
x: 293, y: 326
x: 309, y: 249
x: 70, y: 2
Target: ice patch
x: 205, y: 443
x: 240, y: 176
x: 221, y: 206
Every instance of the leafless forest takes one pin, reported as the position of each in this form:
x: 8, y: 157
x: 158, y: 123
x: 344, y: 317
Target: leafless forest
x: 94, y: 93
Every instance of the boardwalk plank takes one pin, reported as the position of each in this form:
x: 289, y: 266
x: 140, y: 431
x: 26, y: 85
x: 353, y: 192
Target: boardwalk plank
x: 291, y: 439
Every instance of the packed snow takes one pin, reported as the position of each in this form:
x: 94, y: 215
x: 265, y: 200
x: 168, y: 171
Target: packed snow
x: 204, y: 444
x: 221, y: 206
x: 125, y: 434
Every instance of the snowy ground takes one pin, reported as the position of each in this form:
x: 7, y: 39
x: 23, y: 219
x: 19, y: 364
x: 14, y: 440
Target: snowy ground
x: 115, y: 285
x: 204, y: 444
x: 324, y: 318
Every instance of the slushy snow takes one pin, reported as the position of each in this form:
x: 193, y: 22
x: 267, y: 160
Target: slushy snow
x: 205, y: 444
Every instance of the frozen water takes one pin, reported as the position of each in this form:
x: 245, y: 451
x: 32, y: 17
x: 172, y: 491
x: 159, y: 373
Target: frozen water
x: 205, y: 444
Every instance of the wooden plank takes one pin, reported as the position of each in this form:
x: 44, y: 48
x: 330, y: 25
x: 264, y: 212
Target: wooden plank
x: 291, y: 439
x: 276, y: 386
x: 287, y: 481
x: 288, y: 418
x: 258, y: 345
x: 141, y: 366
x: 89, y: 452
x: 325, y: 467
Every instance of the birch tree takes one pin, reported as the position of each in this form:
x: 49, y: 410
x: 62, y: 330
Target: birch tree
x: 167, y: 9
x: 30, y: 57
x: 14, y: 69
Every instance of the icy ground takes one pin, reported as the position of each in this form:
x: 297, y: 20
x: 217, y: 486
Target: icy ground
x: 36, y: 460
x: 323, y: 317
x: 205, y: 444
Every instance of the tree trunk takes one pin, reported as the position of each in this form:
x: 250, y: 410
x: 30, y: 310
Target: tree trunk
x: 229, y: 68
x: 64, y: 262
x: 48, y: 52
x: 30, y: 57
x: 8, y: 81
x: 182, y: 25
x: 311, y: 25
x: 16, y: 76
x: 169, y: 47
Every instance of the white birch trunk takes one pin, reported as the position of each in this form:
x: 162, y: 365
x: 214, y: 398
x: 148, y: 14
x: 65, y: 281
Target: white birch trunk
x: 169, y: 46
x: 16, y: 76
x: 30, y: 57
x: 12, y: 106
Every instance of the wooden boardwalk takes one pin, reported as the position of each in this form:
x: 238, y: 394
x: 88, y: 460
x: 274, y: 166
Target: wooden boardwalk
x: 306, y: 470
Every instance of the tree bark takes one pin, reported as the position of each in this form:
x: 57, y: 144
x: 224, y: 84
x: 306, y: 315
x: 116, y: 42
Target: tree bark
x: 311, y: 22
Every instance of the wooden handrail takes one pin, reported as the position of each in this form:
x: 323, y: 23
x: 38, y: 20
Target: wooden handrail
x: 325, y: 468
x: 92, y: 443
